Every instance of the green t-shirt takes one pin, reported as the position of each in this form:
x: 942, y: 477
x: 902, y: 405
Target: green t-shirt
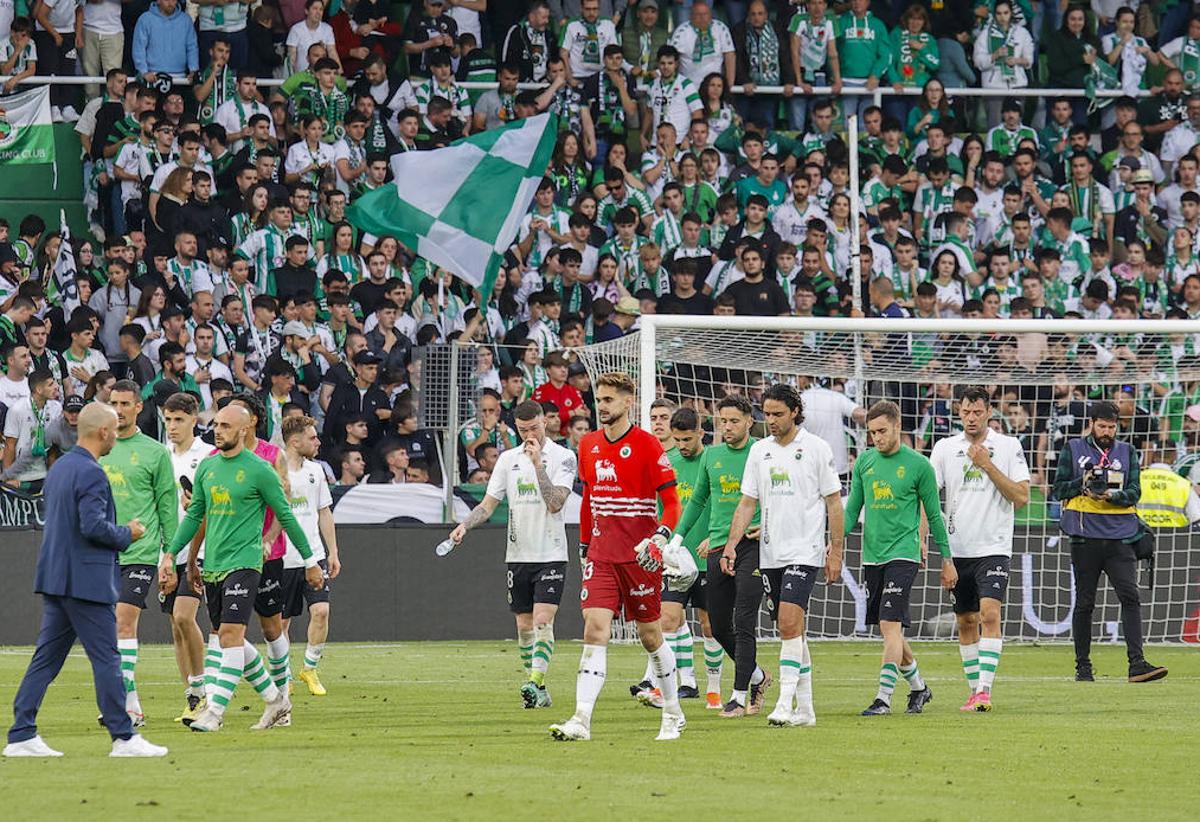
x: 890, y: 490
x: 717, y: 493
x: 232, y: 495
x: 686, y: 473
x: 143, y: 486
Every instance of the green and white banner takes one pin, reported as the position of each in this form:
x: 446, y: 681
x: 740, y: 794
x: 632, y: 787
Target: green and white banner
x: 26, y: 133
x: 460, y: 206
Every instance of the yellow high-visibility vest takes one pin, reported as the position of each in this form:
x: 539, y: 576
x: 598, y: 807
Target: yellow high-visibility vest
x: 1164, y: 498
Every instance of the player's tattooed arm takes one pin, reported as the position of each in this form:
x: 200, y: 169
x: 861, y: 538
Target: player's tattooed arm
x: 478, y: 516
x: 555, y: 496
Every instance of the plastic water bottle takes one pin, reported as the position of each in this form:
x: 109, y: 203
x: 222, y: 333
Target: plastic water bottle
x: 444, y: 547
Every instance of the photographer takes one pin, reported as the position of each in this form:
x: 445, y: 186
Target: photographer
x: 1098, y: 483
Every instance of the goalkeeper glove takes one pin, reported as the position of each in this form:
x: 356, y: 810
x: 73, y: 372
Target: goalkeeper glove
x: 650, y: 550
x: 679, y: 568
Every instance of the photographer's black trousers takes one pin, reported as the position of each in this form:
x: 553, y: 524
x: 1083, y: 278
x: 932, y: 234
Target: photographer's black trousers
x: 1090, y: 557
x: 733, y: 603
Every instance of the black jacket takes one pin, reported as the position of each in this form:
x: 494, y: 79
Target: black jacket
x: 397, y: 358
x: 742, y: 59
x: 208, y: 221
x: 347, y: 402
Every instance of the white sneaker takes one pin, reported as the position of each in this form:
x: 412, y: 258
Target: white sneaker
x: 782, y: 717
x: 274, y: 712
x: 30, y: 747
x: 70, y: 115
x: 136, y: 745
x: 672, y: 726
x: 805, y: 716
x: 207, y: 721
x: 573, y: 730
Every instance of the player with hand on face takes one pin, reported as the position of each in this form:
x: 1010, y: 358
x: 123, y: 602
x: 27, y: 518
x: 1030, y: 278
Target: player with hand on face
x: 312, y: 505
x: 891, y: 485
x: 536, y: 480
x: 986, y: 479
x: 625, y: 473
x: 790, y: 478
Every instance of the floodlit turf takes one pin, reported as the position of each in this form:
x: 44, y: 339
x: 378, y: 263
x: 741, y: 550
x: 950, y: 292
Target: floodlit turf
x: 436, y: 731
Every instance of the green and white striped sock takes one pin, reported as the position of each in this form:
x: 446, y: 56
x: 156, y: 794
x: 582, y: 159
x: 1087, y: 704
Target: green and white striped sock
x: 714, y: 657
x: 256, y: 673
x: 989, y: 661
x: 212, y: 662
x: 312, y: 655
x: 915, y: 681
x: 970, y: 664
x: 129, y: 658
x: 888, y: 675
x: 525, y: 643
x: 277, y: 661
x: 685, y: 655
x: 804, y: 681
x: 791, y: 662
x: 226, y: 679
x: 195, y: 685
x: 543, y: 652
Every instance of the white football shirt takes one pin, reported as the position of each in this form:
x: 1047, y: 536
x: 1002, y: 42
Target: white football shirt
x: 978, y: 517
x: 184, y: 465
x: 534, y: 534
x: 825, y: 414
x: 310, y: 493
x: 790, y: 483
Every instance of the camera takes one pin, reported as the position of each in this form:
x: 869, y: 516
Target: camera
x: 1096, y: 481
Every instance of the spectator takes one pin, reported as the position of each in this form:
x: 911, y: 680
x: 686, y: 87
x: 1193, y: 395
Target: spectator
x: 557, y: 390
x: 164, y: 42
x: 25, y: 449
x: 363, y: 396
x: 351, y: 465
x: 395, y: 470
x: 58, y: 37
x: 529, y: 43
x: 62, y: 432
x: 307, y: 32
x: 427, y: 29
x: 138, y: 367
x: 704, y: 45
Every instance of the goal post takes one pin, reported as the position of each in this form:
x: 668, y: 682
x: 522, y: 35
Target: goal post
x: 1043, y: 374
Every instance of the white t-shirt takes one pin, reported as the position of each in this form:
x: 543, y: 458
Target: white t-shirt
x: 700, y: 57
x: 20, y: 425
x: 310, y: 493
x: 790, y: 483
x: 301, y: 36
x: 12, y: 392
x: 825, y: 413
x: 62, y: 16
x: 299, y: 157
x: 184, y: 465
x: 7, y: 12
x: 534, y: 534
x: 978, y: 517
x: 217, y: 370
x: 103, y: 17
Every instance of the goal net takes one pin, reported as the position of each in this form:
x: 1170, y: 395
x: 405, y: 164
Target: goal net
x: 1042, y: 376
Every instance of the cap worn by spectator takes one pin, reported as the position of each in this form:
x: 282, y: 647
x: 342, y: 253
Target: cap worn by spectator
x: 295, y: 328
x: 575, y: 369
x: 365, y: 357
x: 73, y: 403
x: 648, y: 4
x: 629, y: 305
x: 1143, y: 175
x: 1131, y: 163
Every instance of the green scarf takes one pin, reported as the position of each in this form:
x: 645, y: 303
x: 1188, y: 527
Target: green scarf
x: 998, y: 37
x: 763, y: 48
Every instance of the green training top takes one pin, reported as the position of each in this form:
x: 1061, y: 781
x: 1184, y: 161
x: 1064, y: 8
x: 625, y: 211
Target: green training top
x: 234, y: 493
x: 686, y: 472
x: 717, y: 493
x: 888, y: 489
x: 143, y: 486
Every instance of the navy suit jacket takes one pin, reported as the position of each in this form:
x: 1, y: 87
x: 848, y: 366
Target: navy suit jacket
x: 81, y: 539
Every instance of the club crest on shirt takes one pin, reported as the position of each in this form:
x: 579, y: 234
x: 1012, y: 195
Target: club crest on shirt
x: 900, y: 472
x: 625, y: 451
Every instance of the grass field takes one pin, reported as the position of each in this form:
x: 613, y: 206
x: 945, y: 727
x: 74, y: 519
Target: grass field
x: 435, y: 731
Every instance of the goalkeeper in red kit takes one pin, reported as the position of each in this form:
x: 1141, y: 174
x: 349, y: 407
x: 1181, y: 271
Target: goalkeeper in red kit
x: 625, y: 473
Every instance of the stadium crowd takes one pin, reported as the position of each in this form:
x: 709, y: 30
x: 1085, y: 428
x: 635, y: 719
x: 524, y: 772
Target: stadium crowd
x: 223, y: 260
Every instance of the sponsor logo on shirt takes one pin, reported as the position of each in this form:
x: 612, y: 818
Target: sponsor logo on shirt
x: 606, y: 471
x: 780, y: 478
x: 525, y: 488
x: 730, y: 484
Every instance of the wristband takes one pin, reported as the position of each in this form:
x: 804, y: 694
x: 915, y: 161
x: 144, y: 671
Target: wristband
x: 663, y: 531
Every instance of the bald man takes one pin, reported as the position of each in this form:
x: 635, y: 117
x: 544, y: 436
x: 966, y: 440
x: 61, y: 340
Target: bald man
x: 77, y: 576
x: 234, y: 489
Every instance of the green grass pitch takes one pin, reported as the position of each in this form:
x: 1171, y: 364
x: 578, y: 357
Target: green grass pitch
x: 435, y: 731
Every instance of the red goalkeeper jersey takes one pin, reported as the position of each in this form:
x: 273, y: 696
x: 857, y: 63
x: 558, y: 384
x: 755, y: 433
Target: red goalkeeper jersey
x: 621, y: 483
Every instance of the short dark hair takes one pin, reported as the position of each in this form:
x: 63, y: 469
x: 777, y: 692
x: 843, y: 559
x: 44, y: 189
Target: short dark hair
x: 685, y: 419
x: 789, y: 395
x: 976, y: 393
x: 1104, y: 410
x: 886, y: 409
x: 736, y: 401
x: 527, y: 411
x: 183, y: 402
x: 127, y: 386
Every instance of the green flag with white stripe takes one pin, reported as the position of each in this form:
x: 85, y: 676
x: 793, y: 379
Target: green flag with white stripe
x: 460, y: 206
x: 26, y: 133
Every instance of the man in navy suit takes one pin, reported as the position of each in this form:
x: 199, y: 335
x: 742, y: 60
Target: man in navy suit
x: 77, y: 577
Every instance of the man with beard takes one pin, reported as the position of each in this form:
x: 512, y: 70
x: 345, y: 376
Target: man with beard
x: 1099, y: 484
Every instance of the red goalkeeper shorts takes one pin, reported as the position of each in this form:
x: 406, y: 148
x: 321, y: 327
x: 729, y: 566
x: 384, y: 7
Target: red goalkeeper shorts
x: 617, y: 585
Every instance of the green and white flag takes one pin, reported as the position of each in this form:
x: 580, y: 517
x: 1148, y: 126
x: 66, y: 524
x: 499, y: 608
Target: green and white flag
x: 26, y: 132
x: 460, y: 206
